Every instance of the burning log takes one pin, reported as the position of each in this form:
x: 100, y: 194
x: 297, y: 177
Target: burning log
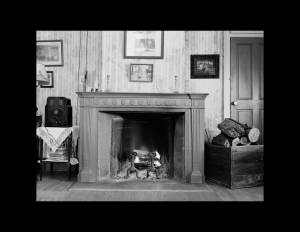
x: 143, y: 160
x: 141, y: 153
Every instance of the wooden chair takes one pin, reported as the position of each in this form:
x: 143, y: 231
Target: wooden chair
x: 38, y: 124
x: 68, y: 145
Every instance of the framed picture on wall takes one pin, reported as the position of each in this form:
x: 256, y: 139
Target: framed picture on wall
x: 50, y: 76
x: 143, y: 44
x: 141, y: 72
x: 50, y: 52
x: 205, y: 66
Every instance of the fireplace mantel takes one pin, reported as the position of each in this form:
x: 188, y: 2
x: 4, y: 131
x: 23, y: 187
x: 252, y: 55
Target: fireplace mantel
x: 91, y: 103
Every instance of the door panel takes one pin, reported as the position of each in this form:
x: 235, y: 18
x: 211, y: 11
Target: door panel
x: 261, y: 126
x: 261, y: 70
x: 247, y: 81
x: 244, y: 71
x: 245, y: 116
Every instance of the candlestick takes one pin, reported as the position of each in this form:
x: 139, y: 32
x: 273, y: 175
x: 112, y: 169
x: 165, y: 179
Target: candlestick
x: 107, y: 90
x: 176, y: 85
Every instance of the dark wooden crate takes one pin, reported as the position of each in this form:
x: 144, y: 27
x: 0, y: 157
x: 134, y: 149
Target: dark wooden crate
x: 234, y: 167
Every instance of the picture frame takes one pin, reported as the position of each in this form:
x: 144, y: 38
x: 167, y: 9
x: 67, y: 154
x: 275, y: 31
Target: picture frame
x: 141, y: 73
x: 50, y: 76
x: 205, y: 66
x: 143, y: 44
x: 50, y: 52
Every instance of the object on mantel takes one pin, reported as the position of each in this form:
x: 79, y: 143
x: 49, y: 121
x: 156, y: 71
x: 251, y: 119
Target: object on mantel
x: 234, y: 133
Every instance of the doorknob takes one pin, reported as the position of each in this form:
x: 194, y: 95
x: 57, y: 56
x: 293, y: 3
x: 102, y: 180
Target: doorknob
x: 234, y: 103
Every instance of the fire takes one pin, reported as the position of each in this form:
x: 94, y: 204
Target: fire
x: 157, y: 155
x: 137, y: 160
x: 156, y: 163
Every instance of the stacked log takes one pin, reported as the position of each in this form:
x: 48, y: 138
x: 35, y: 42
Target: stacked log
x: 234, y: 133
x: 222, y: 140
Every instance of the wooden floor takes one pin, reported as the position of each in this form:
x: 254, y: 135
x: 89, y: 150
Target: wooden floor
x: 58, y: 188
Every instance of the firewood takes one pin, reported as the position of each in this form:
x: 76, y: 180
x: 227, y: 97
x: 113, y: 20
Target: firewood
x: 222, y: 140
x: 235, y: 142
x: 141, y: 153
x: 231, y: 128
x: 243, y: 125
x: 244, y: 140
x: 253, y: 134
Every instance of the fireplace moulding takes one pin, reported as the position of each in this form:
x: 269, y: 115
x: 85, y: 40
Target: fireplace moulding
x: 91, y: 104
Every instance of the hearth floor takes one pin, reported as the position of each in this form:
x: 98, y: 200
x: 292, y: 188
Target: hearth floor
x: 56, y: 187
x: 141, y: 185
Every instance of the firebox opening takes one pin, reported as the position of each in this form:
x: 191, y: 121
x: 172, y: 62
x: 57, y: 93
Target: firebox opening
x: 138, y: 136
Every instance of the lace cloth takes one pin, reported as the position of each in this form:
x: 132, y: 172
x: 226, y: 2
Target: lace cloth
x: 75, y: 135
x: 53, y: 136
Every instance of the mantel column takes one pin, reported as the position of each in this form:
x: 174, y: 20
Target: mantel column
x: 88, y: 144
x: 197, y: 114
x: 197, y: 145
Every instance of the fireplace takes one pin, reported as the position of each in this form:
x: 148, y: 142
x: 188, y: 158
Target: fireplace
x: 165, y: 131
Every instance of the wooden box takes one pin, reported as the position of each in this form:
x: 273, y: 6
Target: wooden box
x: 234, y: 167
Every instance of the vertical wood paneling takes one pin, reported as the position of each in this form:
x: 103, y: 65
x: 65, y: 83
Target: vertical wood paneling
x: 66, y: 81
x: 206, y: 42
x: 105, y: 56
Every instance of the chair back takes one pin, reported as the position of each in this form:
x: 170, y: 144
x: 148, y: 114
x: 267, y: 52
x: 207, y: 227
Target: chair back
x: 38, y: 121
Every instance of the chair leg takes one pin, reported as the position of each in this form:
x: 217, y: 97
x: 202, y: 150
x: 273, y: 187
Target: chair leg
x: 41, y: 157
x: 69, y: 171
x: 41, y: 169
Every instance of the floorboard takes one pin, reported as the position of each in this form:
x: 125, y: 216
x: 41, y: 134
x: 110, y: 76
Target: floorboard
x: 56, y: 187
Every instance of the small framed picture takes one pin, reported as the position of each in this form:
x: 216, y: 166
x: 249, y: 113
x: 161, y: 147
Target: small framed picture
x: 50, y: 76
x: 50, y: 52
x: 205, y: 66
x: 141, y: 72
x: 143, y: 44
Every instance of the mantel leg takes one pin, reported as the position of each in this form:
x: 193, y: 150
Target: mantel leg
x: 197, y: 145
x: 84, y: 145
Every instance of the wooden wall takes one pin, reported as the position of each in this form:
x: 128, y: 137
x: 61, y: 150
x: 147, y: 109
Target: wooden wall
x: 101, y: 53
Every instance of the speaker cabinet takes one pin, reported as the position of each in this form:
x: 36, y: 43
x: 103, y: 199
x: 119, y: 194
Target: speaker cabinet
x: 58, y: 112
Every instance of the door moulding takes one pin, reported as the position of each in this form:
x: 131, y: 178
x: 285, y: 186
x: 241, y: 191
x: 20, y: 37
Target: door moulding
x: 227, y: 36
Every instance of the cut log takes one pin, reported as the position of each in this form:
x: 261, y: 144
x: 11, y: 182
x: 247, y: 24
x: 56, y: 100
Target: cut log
x: 253, y: 134
x: 222, y: 140
x: 244, y: 140
x: 245, y: 126
x: 235, y: 142
x: 231, y: 128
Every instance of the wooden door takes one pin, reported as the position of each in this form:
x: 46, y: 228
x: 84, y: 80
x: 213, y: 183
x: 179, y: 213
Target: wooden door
x: 247, y: 82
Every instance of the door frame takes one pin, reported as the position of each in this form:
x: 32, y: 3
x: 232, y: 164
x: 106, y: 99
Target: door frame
x: 227, y: 36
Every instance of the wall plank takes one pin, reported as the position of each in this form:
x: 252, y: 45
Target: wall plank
x: 101, y: 53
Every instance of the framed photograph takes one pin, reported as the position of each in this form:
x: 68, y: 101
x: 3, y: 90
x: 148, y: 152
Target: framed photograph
x: 50, y: 76
x: 141, y: 72
x: 205, y: 66
x: 143, y: 44
x: 50, y: 52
